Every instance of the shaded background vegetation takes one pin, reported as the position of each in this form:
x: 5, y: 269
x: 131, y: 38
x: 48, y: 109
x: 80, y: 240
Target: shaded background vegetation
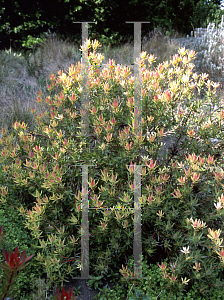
x: 22, y: 22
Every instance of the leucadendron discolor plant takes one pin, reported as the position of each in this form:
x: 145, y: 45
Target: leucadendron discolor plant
x: 179, y: 186
x: 14, y: 264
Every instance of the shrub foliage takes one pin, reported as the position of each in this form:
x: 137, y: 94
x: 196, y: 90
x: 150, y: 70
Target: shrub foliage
x: 181, y: 179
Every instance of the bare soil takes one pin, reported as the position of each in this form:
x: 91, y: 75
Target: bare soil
x: 86, y: 292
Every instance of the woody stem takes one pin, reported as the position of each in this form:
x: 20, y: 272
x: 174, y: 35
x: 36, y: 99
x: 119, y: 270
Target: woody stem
x: 7, y: 289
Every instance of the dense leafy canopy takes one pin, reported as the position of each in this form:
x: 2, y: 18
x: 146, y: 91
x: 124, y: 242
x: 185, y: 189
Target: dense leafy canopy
x: 20, y: 20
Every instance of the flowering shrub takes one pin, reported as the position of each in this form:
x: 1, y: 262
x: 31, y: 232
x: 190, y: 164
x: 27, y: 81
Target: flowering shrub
x: 17, y: 236
x: 12, y: 265
x: 179, y: 184
x: 15, y: 263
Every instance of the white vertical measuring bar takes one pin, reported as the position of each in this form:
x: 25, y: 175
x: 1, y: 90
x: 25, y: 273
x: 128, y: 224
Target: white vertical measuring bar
x: 85, y: 131
x: 85, y: 77
x: 137, y: 249
x: 137, y: 246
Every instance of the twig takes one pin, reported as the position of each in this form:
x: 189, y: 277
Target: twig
x: 158, y: 295
x: 130, y: 290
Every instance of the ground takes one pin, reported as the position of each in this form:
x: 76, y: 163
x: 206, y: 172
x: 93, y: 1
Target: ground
x: 87, y: 293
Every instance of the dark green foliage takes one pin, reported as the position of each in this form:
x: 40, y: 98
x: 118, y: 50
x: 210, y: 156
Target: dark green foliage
x: 22, y: 25
x: 17, y: 235
x: 153, y: 288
